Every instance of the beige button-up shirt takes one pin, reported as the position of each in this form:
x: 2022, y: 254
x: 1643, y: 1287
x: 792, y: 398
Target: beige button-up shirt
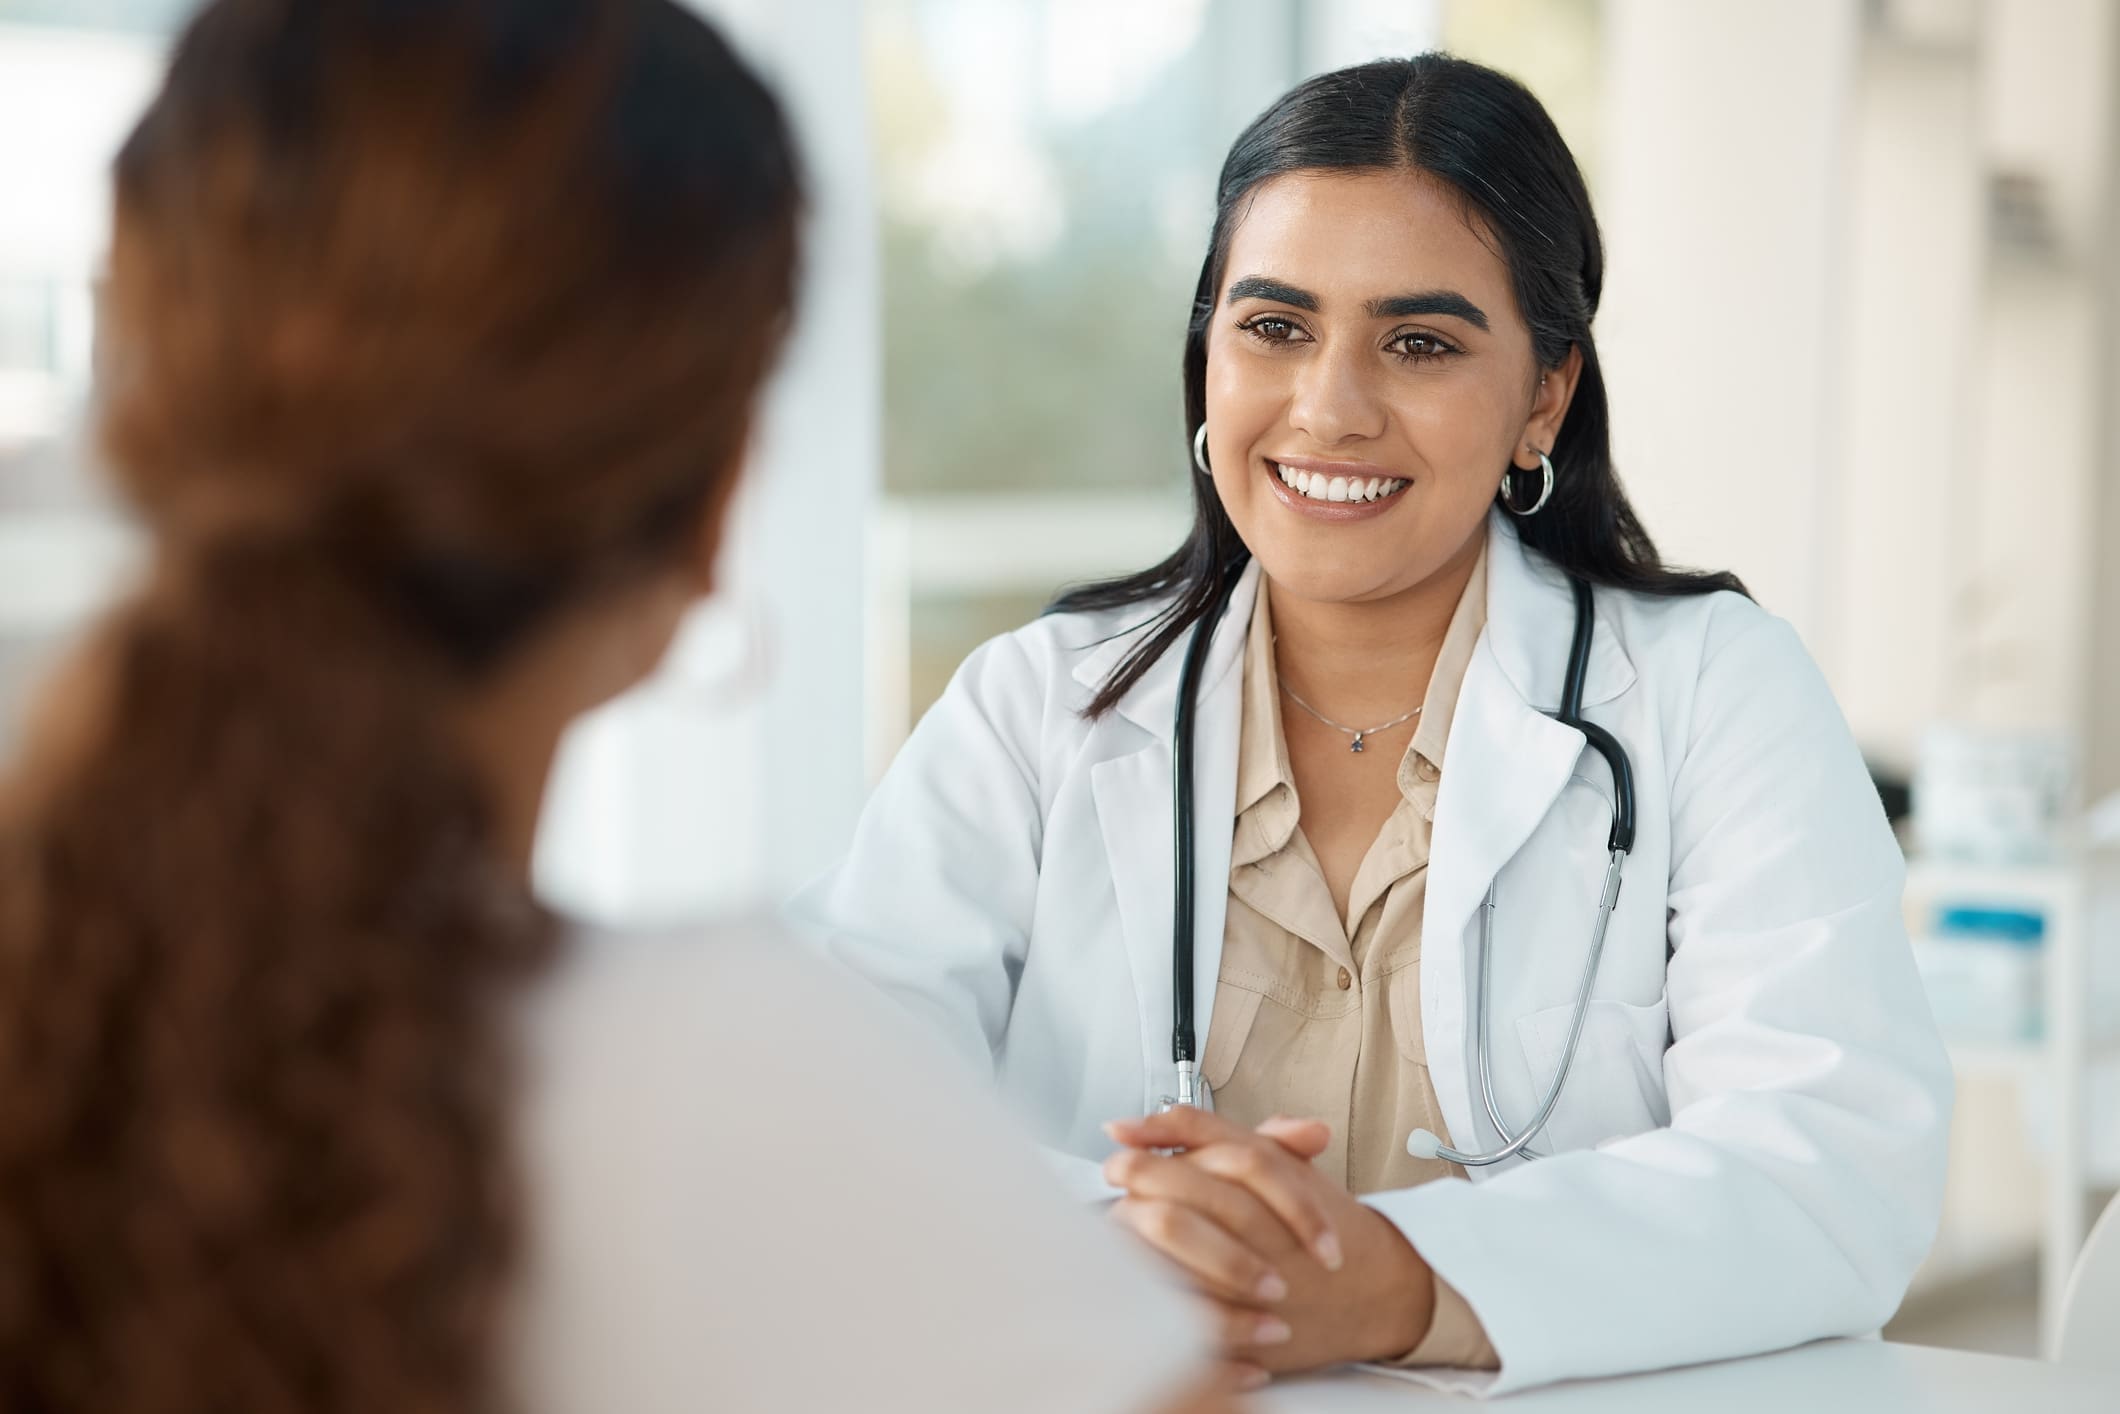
x: 1320, y: 1016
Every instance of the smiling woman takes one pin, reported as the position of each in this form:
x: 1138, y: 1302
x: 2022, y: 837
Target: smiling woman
x: 1474, y: 1104
x: 1429, y: 211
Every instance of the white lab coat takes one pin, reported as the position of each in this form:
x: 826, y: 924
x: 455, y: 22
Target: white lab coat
x: 1753, y: 1133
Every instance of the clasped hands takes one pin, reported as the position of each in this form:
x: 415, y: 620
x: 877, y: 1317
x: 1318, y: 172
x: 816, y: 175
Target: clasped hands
x: 1299, y: 1274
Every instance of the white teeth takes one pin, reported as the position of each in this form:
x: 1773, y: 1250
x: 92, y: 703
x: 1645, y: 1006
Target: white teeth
x: 1319, y: 487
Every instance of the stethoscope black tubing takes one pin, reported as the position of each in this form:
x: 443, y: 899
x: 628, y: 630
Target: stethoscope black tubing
x: 1600, y: 740
x: 1182, y: 1037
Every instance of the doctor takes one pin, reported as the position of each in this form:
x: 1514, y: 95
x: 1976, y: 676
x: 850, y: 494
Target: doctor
x: 1445, y: 700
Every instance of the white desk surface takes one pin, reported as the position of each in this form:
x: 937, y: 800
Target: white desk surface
x: 1830, y: 1376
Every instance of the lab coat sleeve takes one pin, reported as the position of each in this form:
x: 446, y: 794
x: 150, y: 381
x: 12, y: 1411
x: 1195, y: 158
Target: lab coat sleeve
x: 933, y: 902
x: 1800, y: 1180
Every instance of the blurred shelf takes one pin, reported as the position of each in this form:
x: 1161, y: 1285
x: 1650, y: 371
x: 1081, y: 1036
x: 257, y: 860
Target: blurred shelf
x: 2053, y: 1068
x: 2043, y: 883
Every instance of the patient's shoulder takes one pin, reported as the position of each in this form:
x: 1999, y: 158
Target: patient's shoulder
x: 736, y: 1156
x: 685, y: 1001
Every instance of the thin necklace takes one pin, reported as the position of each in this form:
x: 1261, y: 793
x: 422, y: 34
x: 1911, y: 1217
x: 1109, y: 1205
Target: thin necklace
x: 1355, y: 732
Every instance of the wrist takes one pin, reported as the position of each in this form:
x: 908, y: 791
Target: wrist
x: 1405, y: 1299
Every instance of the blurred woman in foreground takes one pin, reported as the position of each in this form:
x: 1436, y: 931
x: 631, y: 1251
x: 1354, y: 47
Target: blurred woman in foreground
x: 435, y: 334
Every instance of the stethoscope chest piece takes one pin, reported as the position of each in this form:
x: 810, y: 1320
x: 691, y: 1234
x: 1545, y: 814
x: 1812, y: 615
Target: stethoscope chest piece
x: 1193, y: 1090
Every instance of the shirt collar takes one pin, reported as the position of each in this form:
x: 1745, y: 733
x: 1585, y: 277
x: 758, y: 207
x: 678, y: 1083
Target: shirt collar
x: 1422, y: 765
x: 1266, y: 785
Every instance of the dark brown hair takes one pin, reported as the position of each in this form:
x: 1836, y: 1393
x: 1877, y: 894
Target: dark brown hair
x: 425, y: 319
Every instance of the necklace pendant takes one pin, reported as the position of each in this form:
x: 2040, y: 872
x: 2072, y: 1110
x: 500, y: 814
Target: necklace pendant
x: 1357, y: 742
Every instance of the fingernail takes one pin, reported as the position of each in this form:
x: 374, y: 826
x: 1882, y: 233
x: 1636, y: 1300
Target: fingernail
x: 1253, y: 1378
x: 1272, y: 1331
x: 1271, y: 1287
x: 1328, y: 1250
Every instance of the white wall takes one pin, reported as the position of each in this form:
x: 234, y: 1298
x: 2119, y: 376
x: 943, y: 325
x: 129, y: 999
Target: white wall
x: 1724, y: 139
x: 2047, y: 75
x: 1832, y: 369
x: 677, y: 801
x: 1901, y: 463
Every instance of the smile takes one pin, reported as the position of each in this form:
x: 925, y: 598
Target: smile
x: 1320, y: 487
x: 1333, y: 494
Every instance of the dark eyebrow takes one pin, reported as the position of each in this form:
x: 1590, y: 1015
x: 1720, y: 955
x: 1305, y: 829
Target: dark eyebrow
x: 1259, y: 287
x: 1448, y: 302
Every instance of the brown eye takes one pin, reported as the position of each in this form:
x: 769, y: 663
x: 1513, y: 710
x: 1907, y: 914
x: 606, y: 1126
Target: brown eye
x: 1420, y: 348
x: 1269, y: 328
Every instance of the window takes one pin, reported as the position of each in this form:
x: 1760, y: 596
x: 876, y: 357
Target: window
x: 1045, y: 174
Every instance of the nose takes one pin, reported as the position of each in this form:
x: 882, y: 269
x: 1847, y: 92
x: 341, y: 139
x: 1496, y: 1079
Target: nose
x: 1335, y: 399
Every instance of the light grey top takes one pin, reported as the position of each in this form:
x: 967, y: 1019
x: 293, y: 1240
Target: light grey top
x: 752, y: 1186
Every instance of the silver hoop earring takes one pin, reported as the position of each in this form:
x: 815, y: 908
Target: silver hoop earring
x: 1200, y: 450
x: 1545, y: 466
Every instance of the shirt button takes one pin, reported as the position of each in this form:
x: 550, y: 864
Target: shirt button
x: 1346, y: 979
x: 1425, y: 769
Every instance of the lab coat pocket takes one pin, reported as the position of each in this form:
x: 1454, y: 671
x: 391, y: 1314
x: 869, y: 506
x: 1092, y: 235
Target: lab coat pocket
x: 1615, y: 1085
x: 1405, y: 1001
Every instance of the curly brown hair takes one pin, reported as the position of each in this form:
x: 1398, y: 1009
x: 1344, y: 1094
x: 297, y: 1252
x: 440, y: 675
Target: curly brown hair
x: 424, y: 320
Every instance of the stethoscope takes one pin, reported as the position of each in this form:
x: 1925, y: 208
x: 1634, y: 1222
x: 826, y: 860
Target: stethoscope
x: 1422, y: 1144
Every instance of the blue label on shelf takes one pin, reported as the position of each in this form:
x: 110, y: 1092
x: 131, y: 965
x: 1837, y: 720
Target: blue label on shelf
x: 2002, y: 925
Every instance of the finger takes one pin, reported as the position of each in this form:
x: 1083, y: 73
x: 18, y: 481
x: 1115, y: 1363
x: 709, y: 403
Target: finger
x: 1217, y: 1262
x: 1305, y: 1138
x: 1288, y: 1186
x: 1239, y: 1329
x: 1144, y: 1173
x: 1246, y: 1376
x: 1180, y: 1128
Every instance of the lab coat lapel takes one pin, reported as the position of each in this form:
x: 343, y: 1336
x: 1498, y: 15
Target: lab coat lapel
x: 1132, y: 789
x: 1504, y: 765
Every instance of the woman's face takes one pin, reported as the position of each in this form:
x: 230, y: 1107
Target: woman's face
x: 1368, y: 381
